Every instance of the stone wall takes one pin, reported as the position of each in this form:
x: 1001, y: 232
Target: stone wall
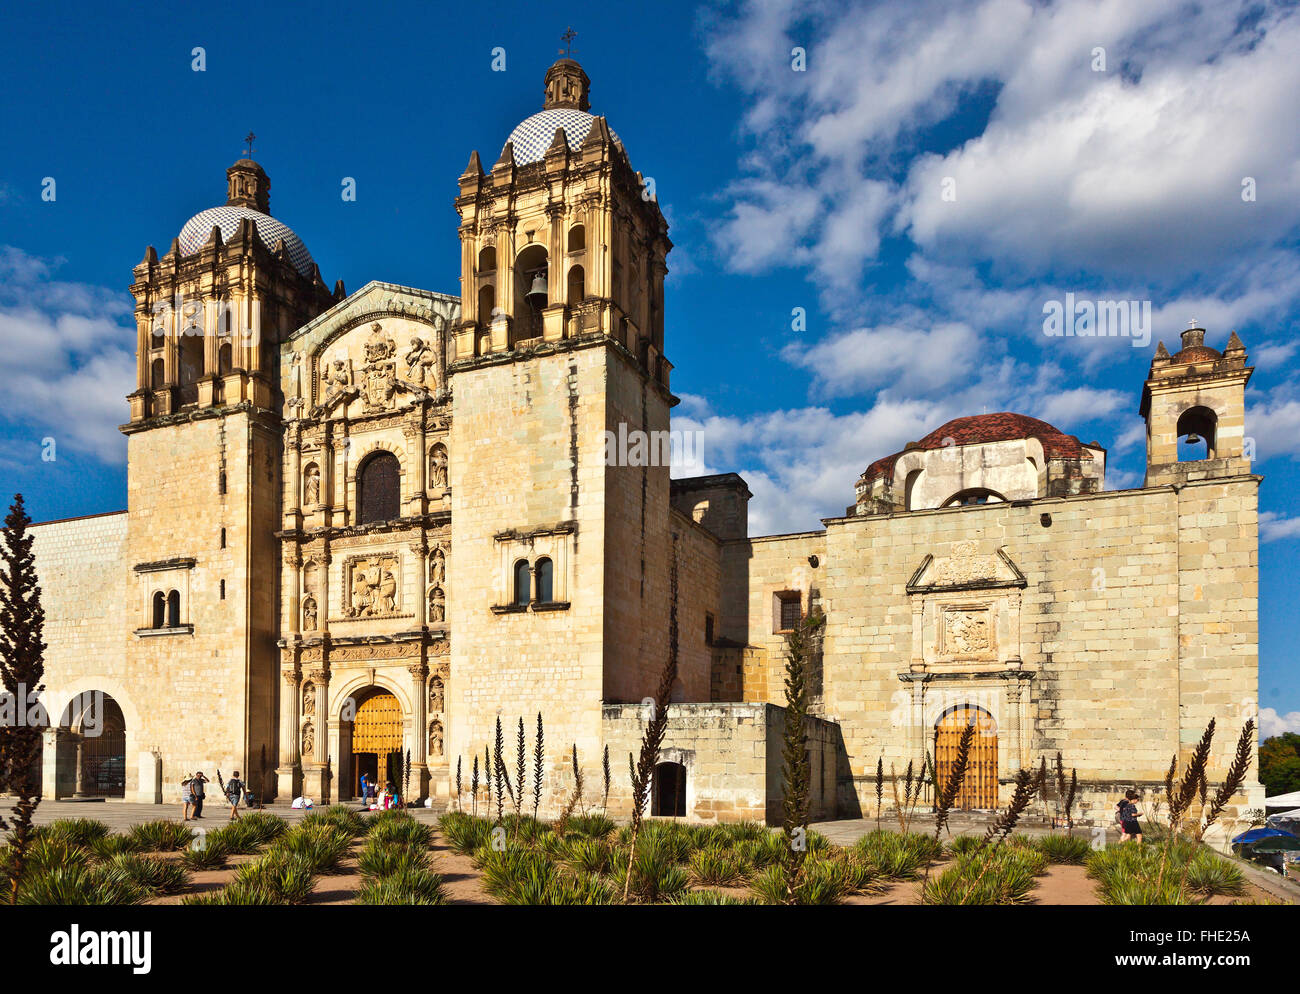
x: 732, y: 756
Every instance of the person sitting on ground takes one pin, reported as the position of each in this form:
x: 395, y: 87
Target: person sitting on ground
x: 1126, y: 813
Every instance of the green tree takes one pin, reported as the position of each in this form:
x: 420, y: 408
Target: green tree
x: 1279, y: 763
x: 22, y: 668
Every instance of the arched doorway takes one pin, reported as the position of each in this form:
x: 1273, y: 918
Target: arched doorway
x: 93, y: 756
x: 979, y: 788
x: 669, y: 791
x: 377, y: 741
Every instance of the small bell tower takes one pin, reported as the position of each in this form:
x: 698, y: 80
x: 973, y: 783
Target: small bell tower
x: 1196, y: 397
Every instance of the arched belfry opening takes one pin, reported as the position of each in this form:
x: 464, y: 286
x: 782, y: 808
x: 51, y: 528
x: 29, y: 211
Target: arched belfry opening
x: 532, y: 293
x: 1197, y: 428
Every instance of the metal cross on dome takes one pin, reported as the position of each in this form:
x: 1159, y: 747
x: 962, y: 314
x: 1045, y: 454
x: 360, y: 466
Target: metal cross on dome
x: 567, y: 38
x: 248, y: 139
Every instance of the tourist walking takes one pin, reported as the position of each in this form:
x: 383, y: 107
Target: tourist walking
x: 196, y: 788
x: 187, y: 797
x: 1126, y: 813
x: 234, y: 788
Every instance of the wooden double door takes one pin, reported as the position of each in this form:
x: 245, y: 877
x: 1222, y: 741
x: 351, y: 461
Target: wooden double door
x: 979, y: 788
x: 377, y: 742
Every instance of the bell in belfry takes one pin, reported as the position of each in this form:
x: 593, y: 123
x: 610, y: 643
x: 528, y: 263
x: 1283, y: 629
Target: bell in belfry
x: 537, y: 292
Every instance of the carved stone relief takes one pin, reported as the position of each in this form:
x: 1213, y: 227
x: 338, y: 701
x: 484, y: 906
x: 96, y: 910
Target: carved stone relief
x: 372, y: 586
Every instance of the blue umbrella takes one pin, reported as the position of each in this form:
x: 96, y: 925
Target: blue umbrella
x: 1255, y: 834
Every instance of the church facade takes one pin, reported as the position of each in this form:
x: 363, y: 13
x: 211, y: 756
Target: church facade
x: 363, y: 528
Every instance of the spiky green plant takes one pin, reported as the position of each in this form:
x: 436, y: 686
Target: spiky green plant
x: 82, y: 832
x: 539, y: 753
x: 464, y: 832
x: 405, y: 885
x: 161, y: 836
x: 708, y: 897
x: 458, y: 783
x: 604, y: 767
x: 521, y: 768
x: 152, y: 875
x: 716, y: 867
x: 800, y: 643
x: 113, y: 845
x: 1065, y: 848
x: 473, y: 786
x: 652, y: 737
x: 209, y: 853
x: 880, y: 787
x: 947, y: 796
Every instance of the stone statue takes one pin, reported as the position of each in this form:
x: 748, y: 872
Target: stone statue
x: 435, y: 695
x: 438, y: 467
x: 337, y: 374
x: 311, y: 487
x: 309, y: 615
x: 361, y: 595
x: 435, y: 739
x: 438, y: 567
x: 308, y: 698
x: 437, y: 606
x: 419, y: 361
x: 308, y: 740
x: 387, y: 592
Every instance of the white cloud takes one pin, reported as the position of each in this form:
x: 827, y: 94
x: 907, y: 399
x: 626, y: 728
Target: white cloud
x: 1273, y: 421
x: 1271, y: 723
x: 69, y: 358
x: 1274, y: 527
x: 909, y: 359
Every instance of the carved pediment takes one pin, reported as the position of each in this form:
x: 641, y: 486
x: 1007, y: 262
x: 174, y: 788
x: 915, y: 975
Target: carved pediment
x: 965, y: 568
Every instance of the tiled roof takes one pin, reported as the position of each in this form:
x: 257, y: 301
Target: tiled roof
x: 982, y: 428
x: 197, y: 229
x: 1196, y: 353
x: 533, y: 136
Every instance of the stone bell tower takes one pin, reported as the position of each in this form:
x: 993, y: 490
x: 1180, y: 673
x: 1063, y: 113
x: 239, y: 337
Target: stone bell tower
x: 203, y: 468
x: 560, y: 549
x: 1198, y: 396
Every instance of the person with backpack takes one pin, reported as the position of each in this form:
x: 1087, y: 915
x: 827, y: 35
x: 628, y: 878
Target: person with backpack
x: 234, y: 788
x: 1126, y: 816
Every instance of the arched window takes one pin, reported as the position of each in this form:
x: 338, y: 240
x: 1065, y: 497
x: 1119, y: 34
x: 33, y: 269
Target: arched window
x: 487, y: 302
x: 487, y: 259
x: 577, y: 285
x: 159, y: 609
x: 1196, y: 434
x: 912, y: 478
x: 975, y: 495
x: 156, y: 375
x: 530, y: 270
x: 523, y: 581
x: 577, y: 238
x: 191, y: 358
x: 379, y: 489
x: 174, y: 609
x: 545, y: 581
x: 223, y: 538
x: 224, y: 362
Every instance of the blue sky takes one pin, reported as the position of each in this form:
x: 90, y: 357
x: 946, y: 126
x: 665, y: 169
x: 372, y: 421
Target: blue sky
x: 935, y: 175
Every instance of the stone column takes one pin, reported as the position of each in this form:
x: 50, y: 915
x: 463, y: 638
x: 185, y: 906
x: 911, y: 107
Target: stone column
x: 421, y: 551
x: 420, y: 720
x: 50, y: 764
x: 79, y: 789
x: 323, y: 595
x: 320, y: 678
x: 294, y: 444
x: 285, y: 773
x: 293, y: 583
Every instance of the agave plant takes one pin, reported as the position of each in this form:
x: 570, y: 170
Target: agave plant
x: 708, y: 897
x: 78, y: 884
x: 152, y: 875
x: 113, y: 845
x: 1064, y: 848
x: 380, y: 859
x: 716, y: 867
x: 161, y: 836
x: 409, y: 884
x: 80, y: 832
x: 464, y: 832
x: 321, y: 847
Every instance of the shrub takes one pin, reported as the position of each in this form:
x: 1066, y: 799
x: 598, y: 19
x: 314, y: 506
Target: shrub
x: 558, y: 888
x: 962, y: 844
x: 1064, y: 849
x: 285, y: 876
x: 1000, y: 875
x: 593, y: 826
x: 588, y: 855
x: 320, y: 846
x: 210, y: 854
x: 408, y: 885
x: 49, y: 852
x: 1128, y: 873
x: 403, y: 832
x: 465, y: 833
x: 161, y: 836
x: 114, y: 845
x: 744, y: 831
x: 381, y: 859
x: 708, y: 897
x: 758, y: 853
x: 78, y: 884
x: 80, y: 832
x: 343, y: 819
x: 1209, y: 875
x: 898, y: 856
x: 716, y: 867
x: 263, y: 826
x: 152, y: 875
x: 655, y: 875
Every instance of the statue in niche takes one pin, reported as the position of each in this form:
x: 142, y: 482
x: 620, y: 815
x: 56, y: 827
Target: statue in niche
x: 435, y: 738
x: 419, y: 361
x: 438, y: 567
x: 309, y: 615
x: 311, y: 486
x: 438, y: 467
x: 308, y: 740
x: 308, y: 698
x: 437, y: 606
x: 435, y: 695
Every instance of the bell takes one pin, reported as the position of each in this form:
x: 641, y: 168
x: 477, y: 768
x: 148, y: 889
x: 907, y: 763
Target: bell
x: 536, y: 294
x: 1193, y: 438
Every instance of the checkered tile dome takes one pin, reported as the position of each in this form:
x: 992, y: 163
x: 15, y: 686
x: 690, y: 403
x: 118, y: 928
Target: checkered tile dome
x: 197, y: 229
x: 534, y: 135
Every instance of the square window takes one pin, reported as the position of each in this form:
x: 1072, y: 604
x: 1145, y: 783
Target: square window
x: 787, y: 610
